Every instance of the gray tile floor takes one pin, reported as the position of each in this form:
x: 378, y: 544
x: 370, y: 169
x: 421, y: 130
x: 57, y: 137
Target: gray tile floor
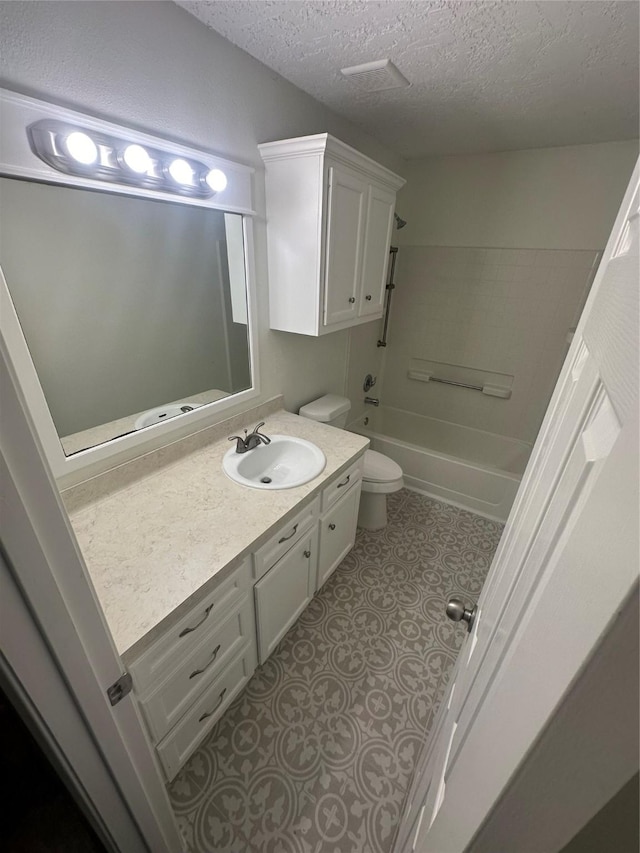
x: 316, y: 754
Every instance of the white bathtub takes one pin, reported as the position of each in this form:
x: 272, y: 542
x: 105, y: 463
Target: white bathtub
x: 467, y: 467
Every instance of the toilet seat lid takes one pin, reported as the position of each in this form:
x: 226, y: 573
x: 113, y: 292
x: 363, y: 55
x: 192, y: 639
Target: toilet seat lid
x: 379, y: 468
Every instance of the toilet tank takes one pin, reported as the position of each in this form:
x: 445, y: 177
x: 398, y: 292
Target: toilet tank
x: 330, y: 409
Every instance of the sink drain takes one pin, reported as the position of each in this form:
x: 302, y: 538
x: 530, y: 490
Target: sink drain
x: 265, y: 479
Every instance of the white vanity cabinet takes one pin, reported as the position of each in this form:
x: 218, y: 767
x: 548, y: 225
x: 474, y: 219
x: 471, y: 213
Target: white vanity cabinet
x: 301, y: 556
x: 190, y: 674
x: 337, y: 527
x: 329, y: 223
x: 284, y: 592
x: 285, y: 569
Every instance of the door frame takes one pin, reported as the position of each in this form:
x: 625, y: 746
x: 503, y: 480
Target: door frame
x: 34, y: 686
x: 48, y: 570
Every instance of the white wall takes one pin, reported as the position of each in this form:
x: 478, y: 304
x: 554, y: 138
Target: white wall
x: 153, y: 66
x: 544, y: 198
x: 493, y: 269
x: 498, y: 311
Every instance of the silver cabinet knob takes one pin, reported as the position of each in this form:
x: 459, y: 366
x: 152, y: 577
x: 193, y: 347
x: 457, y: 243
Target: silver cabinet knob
x: 368, y: 297
x: 307, y: 554
x: 457, y: 611
x: 352, y: 299
x: 332, y: 526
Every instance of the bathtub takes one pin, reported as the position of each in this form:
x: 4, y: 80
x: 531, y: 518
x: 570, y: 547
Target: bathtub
x: 467, y: 467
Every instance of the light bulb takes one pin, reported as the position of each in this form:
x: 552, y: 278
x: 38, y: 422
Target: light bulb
x: 137, y: 159
x: 217, y: 180
x: 181, y: 172
x: 81, y: 147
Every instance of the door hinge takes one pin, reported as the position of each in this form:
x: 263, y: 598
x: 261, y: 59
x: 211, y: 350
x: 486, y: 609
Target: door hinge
x: 120, y: 688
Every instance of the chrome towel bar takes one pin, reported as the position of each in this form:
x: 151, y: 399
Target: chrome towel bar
x: 490, y: 390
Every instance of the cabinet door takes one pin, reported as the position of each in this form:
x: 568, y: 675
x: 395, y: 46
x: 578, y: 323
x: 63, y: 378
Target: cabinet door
x: 338, y: 533
x: 283, y: 593
x: 379, y: 222
x: 343, y: 248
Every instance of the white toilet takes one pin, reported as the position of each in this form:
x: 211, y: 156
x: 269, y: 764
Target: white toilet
x: 381, y: 474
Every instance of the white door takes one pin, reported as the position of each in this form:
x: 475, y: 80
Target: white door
x: 345, y: 232
x: 565, y: 566
x: 377, y: 240
x: 46, y: 565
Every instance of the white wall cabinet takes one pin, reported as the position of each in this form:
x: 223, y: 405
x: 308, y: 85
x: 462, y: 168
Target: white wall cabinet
x: 329, y: 224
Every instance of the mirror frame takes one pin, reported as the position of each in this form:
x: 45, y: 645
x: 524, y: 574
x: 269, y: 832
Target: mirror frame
x: 17, y: 112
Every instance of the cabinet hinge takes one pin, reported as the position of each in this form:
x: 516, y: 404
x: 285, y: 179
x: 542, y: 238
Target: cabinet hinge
x: 120, y: 688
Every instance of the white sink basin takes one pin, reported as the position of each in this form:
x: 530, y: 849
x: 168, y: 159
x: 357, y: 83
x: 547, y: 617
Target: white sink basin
x: 284, y: 464
x: 162, y: 413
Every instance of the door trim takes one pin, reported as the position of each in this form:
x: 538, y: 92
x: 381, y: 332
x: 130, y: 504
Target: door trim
x: 49, y: 570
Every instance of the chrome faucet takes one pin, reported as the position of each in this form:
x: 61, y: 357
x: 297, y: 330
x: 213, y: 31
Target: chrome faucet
x: 372, y: 401
x: 250, y: 441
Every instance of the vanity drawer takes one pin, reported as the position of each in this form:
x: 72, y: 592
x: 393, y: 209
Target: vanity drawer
x: 168, y: 702
x: 340, y: 485
x: 171, y: 648
x: 285, y: 538
x: 183, y: 739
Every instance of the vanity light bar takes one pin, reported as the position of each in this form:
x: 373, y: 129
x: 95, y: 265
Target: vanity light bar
x: 75, y: 150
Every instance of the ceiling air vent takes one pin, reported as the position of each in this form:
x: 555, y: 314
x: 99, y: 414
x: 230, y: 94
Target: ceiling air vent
x: 375, y: 76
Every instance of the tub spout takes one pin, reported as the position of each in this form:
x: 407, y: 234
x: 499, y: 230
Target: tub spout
x: 372, y: 401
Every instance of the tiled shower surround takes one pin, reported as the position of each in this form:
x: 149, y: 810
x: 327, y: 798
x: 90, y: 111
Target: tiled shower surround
x: 502, y: 310
x: 317, y: 753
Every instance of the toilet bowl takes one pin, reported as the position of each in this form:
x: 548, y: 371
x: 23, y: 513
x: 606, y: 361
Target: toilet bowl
x: 381, y: 475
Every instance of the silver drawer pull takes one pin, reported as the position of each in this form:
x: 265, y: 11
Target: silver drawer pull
x: 213, y: 657
x: 340, y: 485
x: 213, y: 710
x: 198, y: 624
x: 284, y: 538
x: 332, y: 527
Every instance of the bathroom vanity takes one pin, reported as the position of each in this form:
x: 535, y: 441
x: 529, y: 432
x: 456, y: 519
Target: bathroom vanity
x: 199, y: 578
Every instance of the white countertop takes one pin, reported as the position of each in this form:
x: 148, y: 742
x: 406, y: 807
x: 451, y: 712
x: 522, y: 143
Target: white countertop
x: 154, y: 542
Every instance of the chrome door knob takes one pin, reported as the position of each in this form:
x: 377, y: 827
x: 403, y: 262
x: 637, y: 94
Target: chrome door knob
x: 457, y: 611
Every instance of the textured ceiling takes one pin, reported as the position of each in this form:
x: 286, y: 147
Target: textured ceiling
x: 485, y: 76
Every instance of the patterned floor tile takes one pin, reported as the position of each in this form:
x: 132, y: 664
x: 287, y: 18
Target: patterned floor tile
x: 317, y: 753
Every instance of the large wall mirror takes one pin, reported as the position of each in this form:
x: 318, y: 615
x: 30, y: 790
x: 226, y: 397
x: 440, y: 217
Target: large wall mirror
x: 132, y: 300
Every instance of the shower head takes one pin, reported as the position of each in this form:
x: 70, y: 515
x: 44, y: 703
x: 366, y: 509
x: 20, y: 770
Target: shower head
x: 400, y: 223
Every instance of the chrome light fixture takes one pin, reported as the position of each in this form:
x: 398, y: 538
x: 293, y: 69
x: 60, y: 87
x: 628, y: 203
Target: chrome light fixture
x: 81, y: 148
x: 91, y: 154
x: 137, y: 158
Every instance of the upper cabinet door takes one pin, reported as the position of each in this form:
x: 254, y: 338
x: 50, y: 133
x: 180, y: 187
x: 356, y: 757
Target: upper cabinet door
x: 346, y: 212
x: 380, y: 207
